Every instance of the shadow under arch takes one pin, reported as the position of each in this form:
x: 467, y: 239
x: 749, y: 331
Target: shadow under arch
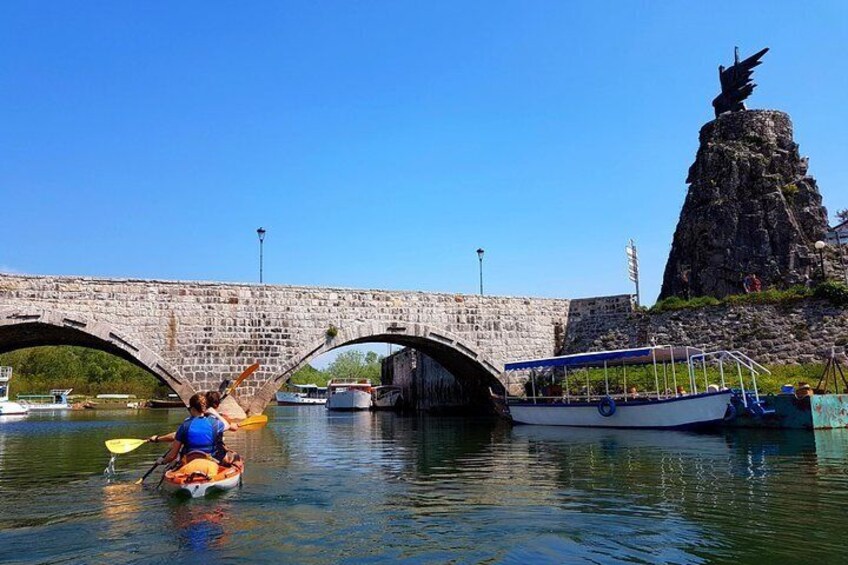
x: 448, y: 350
x: 21, y: 328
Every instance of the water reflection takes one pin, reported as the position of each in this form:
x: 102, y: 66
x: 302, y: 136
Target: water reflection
x: 323, y: 487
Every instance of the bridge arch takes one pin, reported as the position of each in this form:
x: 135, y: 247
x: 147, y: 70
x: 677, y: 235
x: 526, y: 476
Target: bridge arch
x: 448, y: 350
x: 21, y: 328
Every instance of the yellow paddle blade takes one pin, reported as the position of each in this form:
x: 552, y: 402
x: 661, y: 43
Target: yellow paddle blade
x: 244, y: 374
x: 253, y: 423
x: 119, y: 446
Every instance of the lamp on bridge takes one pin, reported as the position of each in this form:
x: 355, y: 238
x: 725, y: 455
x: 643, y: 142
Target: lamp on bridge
x: 261, y: 233
x: 480, y: 256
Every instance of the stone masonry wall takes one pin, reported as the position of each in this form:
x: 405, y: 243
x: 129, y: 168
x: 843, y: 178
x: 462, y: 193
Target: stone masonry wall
x: 208, y: 331
x: 800, y: 332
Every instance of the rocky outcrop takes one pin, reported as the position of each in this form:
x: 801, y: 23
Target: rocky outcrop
x: 751, y: 208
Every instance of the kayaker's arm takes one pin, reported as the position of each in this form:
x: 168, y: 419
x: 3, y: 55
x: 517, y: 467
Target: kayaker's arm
x: 172, y: 454
x: 163, y: 438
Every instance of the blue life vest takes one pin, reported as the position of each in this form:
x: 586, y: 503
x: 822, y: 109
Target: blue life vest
x: 199, y: 434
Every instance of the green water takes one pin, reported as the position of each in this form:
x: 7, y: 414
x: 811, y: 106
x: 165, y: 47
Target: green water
x: 352, y: 488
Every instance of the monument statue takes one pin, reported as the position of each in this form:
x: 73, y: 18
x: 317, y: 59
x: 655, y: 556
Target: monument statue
x: 736, y: 83
x: 752, y: 209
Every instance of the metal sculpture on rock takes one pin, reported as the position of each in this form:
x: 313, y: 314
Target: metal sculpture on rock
x: 736, y: 83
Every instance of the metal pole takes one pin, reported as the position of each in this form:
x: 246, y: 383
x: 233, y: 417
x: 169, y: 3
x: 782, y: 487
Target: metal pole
x: 841, y: 255
x: 821, y: 263
x: 480, y: 256
x: 261, y: 243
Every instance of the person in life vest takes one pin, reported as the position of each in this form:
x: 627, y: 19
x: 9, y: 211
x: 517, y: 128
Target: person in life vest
x: 197, y: 436
x: 222, y: 452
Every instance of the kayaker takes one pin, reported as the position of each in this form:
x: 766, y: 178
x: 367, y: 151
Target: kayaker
x: 198, y: 435
x: 222, y: 453
x: 213, y: 401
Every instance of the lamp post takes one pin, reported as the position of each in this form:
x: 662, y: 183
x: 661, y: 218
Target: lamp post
x: 480, y: 257
x: 261, y: 233
x: 820, y: 246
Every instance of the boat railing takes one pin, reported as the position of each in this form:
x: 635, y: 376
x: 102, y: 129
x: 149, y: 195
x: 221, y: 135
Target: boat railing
x: 594, y: 397
x: 740, y: 360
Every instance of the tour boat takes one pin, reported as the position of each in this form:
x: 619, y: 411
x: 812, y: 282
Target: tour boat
x: 349, y: 395
x: 199, y: 483
x: 550, y: 397
x: 302, y: 395
x: 7, y: 407
x: 386, y: 397
x: 56, y: 400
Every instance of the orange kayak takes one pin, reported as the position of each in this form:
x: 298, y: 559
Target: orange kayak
x: 201, y: 477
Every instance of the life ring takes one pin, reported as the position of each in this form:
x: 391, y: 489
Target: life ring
x: 606, y: 407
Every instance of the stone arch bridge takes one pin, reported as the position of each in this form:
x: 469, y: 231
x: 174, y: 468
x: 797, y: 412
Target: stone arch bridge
x: 191, y: 335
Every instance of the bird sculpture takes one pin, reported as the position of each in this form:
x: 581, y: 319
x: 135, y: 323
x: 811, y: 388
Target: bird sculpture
x: 736, y: 83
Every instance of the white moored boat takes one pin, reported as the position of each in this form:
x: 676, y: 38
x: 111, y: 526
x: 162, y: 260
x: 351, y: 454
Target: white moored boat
x: 7, y: 407
x: 386, y: 397
x: 349, y: 395
x: 568, y: 390
x: 302, y: 395
x: 56, y: 400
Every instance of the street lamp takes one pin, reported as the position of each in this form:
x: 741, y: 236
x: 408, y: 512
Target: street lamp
x: 480, y: 256
x: 261, y: 233
x: 820, y: 246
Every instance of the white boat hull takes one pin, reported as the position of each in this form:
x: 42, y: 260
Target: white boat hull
x: 349, y: 400
x: 298, y: 399
x: 680, y: 412
x: 8, y: 408
x: 34, y: 407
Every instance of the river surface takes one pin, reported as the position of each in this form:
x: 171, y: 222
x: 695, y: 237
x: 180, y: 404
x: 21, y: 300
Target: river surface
x: 351, y: 488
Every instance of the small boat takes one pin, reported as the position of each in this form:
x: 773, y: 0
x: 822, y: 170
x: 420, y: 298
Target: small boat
x: 173, y: 401
x: 349, y: 395
x: 201, y: 477
x: 302, y: 395
x: 559, y: 391
x: 56, y: 400
x: 7, y: 407
x: 386, y: 397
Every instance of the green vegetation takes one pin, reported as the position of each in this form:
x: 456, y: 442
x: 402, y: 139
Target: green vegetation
x: 348, y: 365
x: 834, y: 292
x: 642, y: 377
x: 332, y: 332
x: 89, y: 372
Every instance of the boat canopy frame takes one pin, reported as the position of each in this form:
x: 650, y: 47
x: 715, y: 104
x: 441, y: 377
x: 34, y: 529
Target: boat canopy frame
x: 664, y: 360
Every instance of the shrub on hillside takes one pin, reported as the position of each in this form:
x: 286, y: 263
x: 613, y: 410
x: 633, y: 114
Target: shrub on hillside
x: 836, y: 293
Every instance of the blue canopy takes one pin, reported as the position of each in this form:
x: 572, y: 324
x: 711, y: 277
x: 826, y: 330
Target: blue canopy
x: 640, y: 356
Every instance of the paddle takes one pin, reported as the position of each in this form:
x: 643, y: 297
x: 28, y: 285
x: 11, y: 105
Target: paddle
x: 246, y: 373
x: 147, y: 474
x: 253, y: 423
x: 121, y: 446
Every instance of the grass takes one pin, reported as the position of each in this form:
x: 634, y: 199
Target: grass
x: 834, y: 292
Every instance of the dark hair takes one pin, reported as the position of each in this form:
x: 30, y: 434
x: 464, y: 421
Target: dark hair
x: 213, y: 399
x: 198, y: 402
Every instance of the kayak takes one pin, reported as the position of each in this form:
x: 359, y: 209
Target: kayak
x: 201, y: 477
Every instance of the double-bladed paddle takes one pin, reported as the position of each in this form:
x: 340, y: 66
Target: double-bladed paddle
x: 244, y: 374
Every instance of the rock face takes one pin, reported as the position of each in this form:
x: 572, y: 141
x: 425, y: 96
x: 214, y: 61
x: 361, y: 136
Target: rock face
x: 751, y: 208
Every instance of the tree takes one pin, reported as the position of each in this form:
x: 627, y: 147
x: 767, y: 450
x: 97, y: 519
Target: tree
x: 842, y: 215
x: 356, y: 365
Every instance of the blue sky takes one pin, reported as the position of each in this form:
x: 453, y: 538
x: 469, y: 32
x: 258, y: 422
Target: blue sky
x: 382, y: 143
